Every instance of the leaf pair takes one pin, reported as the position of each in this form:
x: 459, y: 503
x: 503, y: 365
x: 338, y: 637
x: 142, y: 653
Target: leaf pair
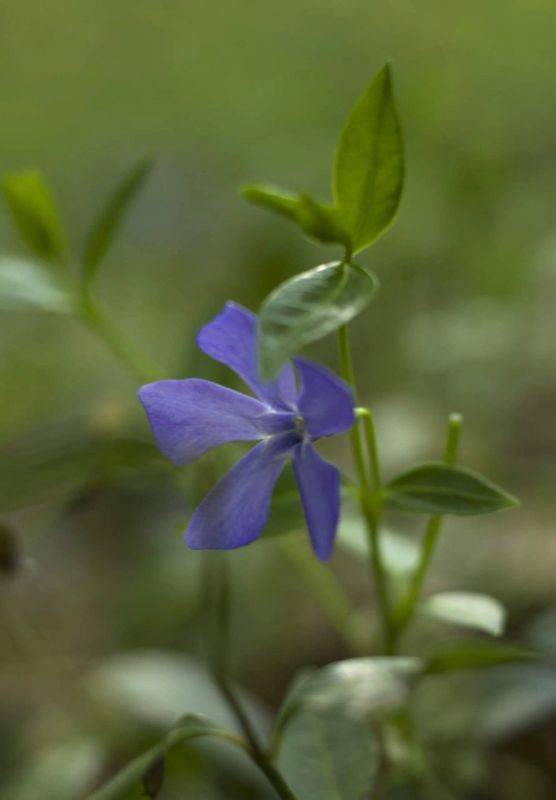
x: 367, y: 176
x: 43, y: 285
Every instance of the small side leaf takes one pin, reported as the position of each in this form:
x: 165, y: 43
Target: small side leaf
x: 190, y: 727
x: 476, y: 655
x: 308, y: 307
x: 25, y: 284
x: 369, y: 164
x: 435, y: 488
x: 111, y: 216
x: 468, y: 609
x: 35, y: 215
x: 317, y: 220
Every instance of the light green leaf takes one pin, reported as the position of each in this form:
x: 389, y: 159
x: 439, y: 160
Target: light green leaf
x: 25, y: 284
x: 111, y: 216
x: 369, y: 164
x: 400, y: 552
x: 317, y: 220
x: 476, y: 655
x: 327, y: 755
x: 435, y: 488
x: 308, y: 307
x: 190, y: 727
x: 469, y: 609
x: 35, y: 215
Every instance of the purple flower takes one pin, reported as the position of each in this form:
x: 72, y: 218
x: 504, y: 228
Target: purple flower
x: 189, y: 417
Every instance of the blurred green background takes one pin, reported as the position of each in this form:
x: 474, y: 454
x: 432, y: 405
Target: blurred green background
x: 106, y: 595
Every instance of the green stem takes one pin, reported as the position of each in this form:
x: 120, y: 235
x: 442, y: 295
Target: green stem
x: 432, y: 533
x: 369, y: 490
x: 137, y: 364
x: 328, y: 592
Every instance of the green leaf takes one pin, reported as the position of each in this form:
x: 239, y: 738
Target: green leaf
x: 35, y: 215
x: 317, y: 220
x: 469, y: 609
x: 190, y: 727
x: 369, y: 164
x: 308, y: 307
x: 476, y: 655
x: 400, y: 552
x: 435, y: 488
x: 327, y: 755
x: 25, y: 284
x: 112, y: 215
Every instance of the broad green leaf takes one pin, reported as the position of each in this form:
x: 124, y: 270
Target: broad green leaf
x: 190, y: 727
x: 111, y: 217
x: 24, y: 284
x: 35, y: 215
x: 435, y: 488
x: 317, y: 220
x: 369, y: 164
x: 476, y: 655
x: 328, y: 755
x: 308, y: 307
x: 469, y: 609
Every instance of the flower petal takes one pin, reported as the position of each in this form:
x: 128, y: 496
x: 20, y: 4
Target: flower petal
x: 231, y: 338
x: 325, y: 401
x: 235, y: 511
x: 319, y: 486
x: 192, y: 416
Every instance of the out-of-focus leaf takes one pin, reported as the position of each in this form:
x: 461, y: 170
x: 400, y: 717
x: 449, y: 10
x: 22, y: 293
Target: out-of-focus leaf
x: 63, y: 772
x: 35, y: 215
x: 190, y: 727
x: 476, y: 655
x: 24, y: 285
x: 154, y: 778
x: 435, y: 488
x: 111, y: 216
x: 369, y: 164
x: 468, y: 609
x: 518, y: 697
x: 400, y: 553
x: 308, y: 307
x: 328, y: 755
x: 317, y: 220
x: 157, y: 687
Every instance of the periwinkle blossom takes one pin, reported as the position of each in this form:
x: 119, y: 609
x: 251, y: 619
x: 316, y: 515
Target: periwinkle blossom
x: 189, y: 417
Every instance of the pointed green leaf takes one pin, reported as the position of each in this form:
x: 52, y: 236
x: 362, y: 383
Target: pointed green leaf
x: 435, y: 488
x: 35, y: 215
x: 476, y: 655
x: 328, y: 755
x: 112, y: 215
x: 468, y: 609
x: 317, y: 220
x: 25, y: 284
x: 369, y: 164
x: 190, y: 727
x: 308, y: 307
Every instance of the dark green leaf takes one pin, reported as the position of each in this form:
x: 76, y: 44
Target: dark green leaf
x: 369, y: 164
x: 475, y: 655
x: 317, y: 220
x: 435, y: 488
x: 190, y: 727
x: 25, y: 284
x: 468, y: 609
x: 154, y: 778
x: 328, y: 755
x: 112, y: 215
x: 35, y: 215
x: 308, y: 307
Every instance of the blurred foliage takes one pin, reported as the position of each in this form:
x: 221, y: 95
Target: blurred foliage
x: 465, y: 321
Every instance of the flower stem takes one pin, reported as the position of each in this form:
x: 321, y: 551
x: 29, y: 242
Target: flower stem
x: 369, y: 489
x: 432, y: 533
x: 137, y: 364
